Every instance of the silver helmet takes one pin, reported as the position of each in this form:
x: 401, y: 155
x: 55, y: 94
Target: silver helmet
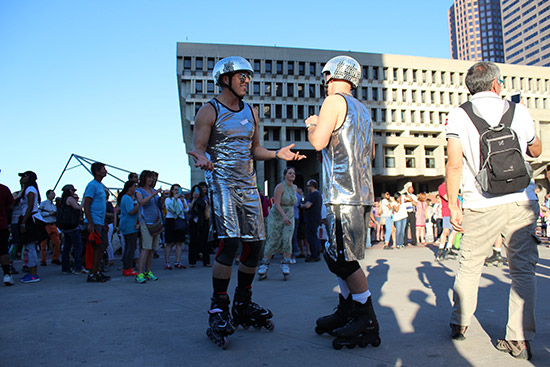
x: 345, y: 68
x: 229, y: 65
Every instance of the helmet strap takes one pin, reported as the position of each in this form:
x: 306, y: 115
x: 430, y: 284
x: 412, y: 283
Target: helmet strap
x: 229, y: 86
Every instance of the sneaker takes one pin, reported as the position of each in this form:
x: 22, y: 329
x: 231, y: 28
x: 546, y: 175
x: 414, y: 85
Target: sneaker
x: 293, y: 261
x: 140, y: 278
x: 102, y: 277
x: 8, y: 280
x: 179, y: 266
x: 84, y: 271
x: 31, y: 279
x: 25, y: 277
x: 167, y: 266
x: 520, y: 349
x: 458, y: 332
x: 92, y: 279
x: 129, y: 272
x: 149, y: 275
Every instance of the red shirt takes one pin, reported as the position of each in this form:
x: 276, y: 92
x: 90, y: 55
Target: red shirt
x: 442, y: 190
x: 6, y: 200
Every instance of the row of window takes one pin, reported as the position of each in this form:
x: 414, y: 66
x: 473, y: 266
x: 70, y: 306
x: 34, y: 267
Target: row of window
x: 410, y: 156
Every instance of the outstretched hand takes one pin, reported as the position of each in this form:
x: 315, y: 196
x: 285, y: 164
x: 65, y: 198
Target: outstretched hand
x: 202, y: 162
x: 288, y: 155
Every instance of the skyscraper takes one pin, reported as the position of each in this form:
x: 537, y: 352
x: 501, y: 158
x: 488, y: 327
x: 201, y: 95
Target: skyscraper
x: 475, y: 30
x: 526, y: 28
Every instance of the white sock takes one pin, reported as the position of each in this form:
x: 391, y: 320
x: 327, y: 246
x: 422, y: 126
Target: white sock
x: 344, y: 289
x: 497, y: 249
x: 361, y: 297
x: 448, y: 245
x: 441, y: 246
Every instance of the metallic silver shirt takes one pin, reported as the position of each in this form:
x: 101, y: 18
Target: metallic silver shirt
x: 347, y: 159
x: 230, y: 147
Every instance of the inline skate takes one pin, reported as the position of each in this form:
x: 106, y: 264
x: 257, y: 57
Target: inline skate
x: 219, y: 320
x: 361, y: 330
x: 494, y: 260
x: 285, y: 268
x: 327, y: 324
x: 247, y: 313
x: 263, y: 269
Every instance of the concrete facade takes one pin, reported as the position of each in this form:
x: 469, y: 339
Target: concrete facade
x: 526, y: 29
x: 408, y: 97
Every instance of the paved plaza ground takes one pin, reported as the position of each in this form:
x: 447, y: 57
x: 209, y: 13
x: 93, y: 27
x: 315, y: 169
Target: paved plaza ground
x: 64, y: 321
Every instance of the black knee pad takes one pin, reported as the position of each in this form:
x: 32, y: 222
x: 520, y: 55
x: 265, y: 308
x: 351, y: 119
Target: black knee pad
x: 227, y: 250
x: 342, y: 269
x: 251, y: 253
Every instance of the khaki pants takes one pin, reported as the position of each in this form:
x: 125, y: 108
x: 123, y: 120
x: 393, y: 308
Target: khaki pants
x: 516, y: 222
x: 53, y: 234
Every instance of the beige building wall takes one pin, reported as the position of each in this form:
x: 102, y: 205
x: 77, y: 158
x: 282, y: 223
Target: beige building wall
x: 408, y: 97
x: 526, y: 30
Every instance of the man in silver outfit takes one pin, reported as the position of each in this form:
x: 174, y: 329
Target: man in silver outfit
x: 343, y: 131
x: 226, y: 142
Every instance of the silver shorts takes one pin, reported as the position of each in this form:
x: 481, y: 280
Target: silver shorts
x: 237, y: 213
x: 354, y: 220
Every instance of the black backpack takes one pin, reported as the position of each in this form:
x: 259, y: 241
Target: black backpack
x: 67, y: 217
x: 503, y: 169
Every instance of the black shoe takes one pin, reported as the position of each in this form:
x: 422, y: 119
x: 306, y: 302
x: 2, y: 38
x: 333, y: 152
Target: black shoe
x: 56, y: 262
x: 458, y: 332
x: 92, y: 279
x: 312, y: 259
x: 102, y: 277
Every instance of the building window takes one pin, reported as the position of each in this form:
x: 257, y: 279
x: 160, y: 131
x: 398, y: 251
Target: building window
x: 198, y: 86
x: 365, y: 95
x: 375, y: 72
x: 267, y: 111
x: 256, y: 88
x: 311, y: 110
x: 186, y: 63
x: 290, y: 68
x: 199, y: 64
x: 300, y: 109
x: 404, y: 95
x: 389, y: 157
x: 429, y: 152
x: 210, y: 86
x: 267, y: 89
x: 279, y: 89
x: 311, y: 90
x: 301, y: 90
x: 278, y: 111
x: 290, y: 90
x: 374, y: 114
x: 409, y: 157
x: 375, y: 94
x: 394, y: 95
x: 289, y: 111
x: 301, y: 68
x: 268, y: 67
x: 257, y: 66
x: 210, y: 64
x: 405, y: 75
x: 312, y: 69
x: 279, y: 67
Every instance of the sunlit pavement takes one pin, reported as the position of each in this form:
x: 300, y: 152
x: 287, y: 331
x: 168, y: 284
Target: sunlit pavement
x: 64, y: 321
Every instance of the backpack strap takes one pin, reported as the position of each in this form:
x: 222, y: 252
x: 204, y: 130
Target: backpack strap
x: 482, y: 125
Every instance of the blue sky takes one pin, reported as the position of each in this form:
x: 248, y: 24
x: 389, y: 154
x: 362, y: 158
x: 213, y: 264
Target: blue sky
x: 98, y: 78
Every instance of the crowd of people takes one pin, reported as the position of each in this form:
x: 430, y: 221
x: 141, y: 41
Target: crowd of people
x: 229, y: 212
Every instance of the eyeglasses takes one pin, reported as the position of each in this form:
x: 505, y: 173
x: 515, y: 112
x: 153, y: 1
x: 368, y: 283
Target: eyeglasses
x: 243, y: 76
x: 501, y: 81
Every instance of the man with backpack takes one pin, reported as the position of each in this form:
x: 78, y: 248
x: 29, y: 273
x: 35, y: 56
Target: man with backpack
x: 487, y: 140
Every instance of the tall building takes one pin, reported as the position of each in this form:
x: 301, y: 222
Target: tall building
x: 475, y: 31
x: 408, y: 98
x: 526, y: 28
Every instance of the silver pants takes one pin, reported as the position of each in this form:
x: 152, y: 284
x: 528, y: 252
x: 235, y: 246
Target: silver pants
x: 347, y: 227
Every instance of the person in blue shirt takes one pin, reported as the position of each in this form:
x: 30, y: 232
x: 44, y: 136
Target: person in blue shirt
x: 95, y: 209
x: 129, y: 225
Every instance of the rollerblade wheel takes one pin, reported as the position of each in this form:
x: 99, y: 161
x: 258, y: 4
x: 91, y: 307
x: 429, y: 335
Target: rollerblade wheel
x: 363, y: 343
x: 318, y: 330
x: 336, y: 344
x: 224, y: 342
x: 376, y: 342
x: 269, y: 326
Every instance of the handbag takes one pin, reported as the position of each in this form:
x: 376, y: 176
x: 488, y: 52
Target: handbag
x: 181, y: 225
x: 156, y: 228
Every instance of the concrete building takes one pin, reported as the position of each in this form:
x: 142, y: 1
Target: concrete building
x: 475, y: 31
x: 408, y: 97
x: 526, y: 29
